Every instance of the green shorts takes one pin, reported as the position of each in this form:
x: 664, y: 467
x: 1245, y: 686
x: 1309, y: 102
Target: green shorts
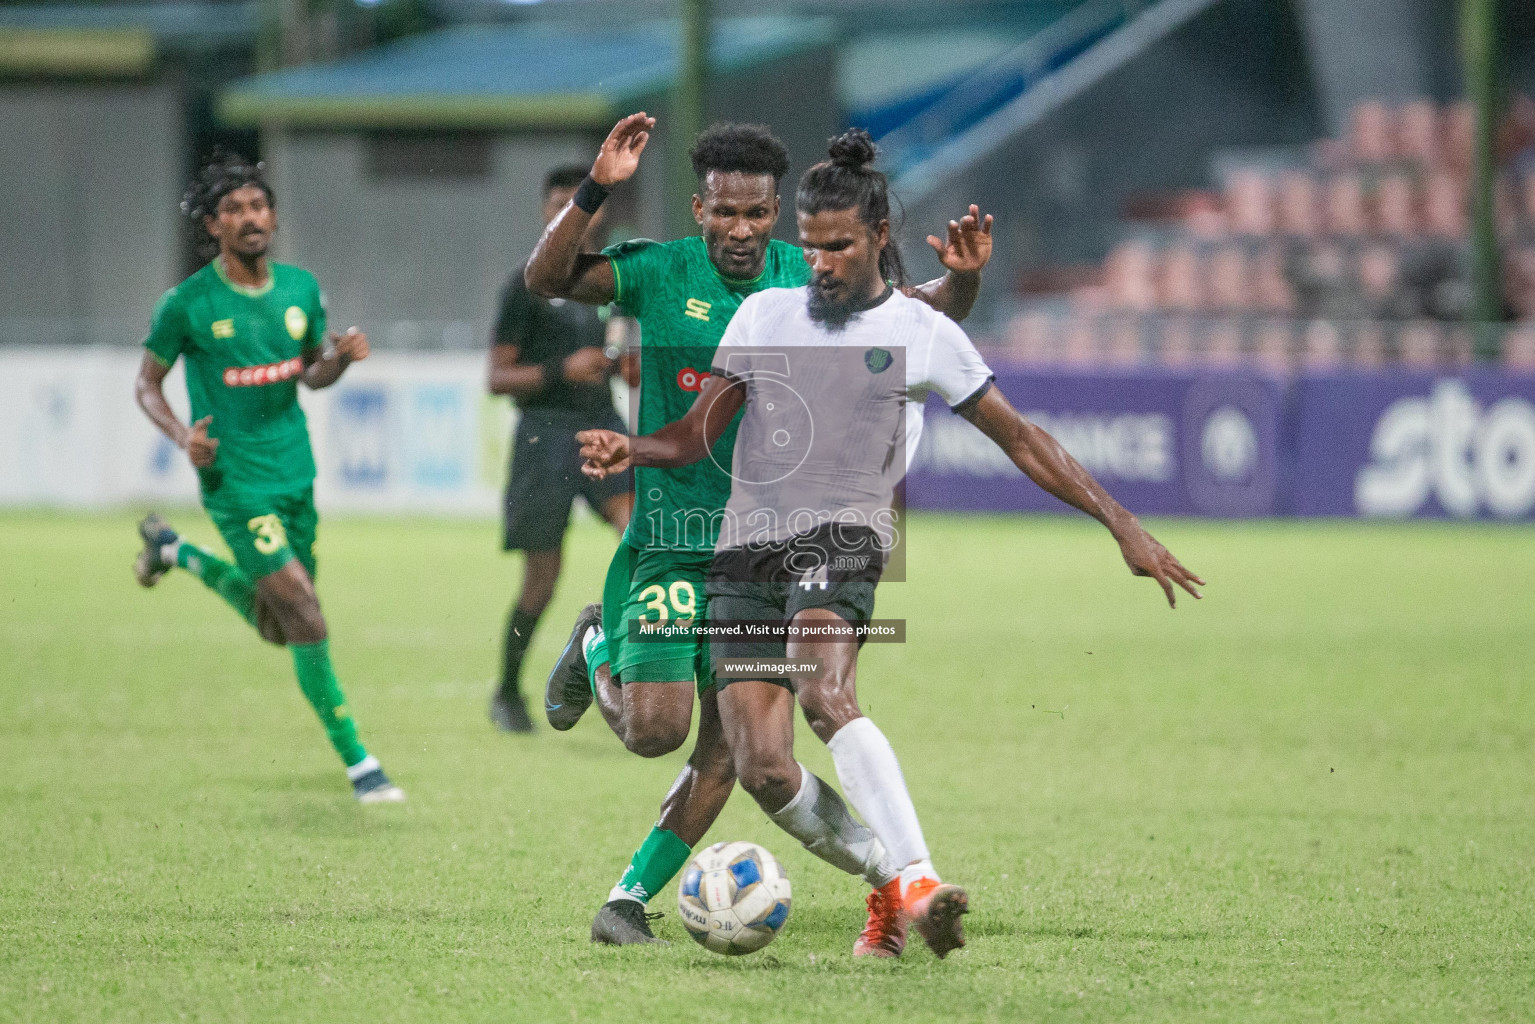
x: 267, y: 532
x: 656, y: 586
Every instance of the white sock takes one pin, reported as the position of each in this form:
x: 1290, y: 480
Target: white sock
x: 620, y: 893
x: 363, y: 767
x: 916, y: 872
x: 590, y: 638
x: 872, y: 779
x: 818, y: 818
x: 168, y: 552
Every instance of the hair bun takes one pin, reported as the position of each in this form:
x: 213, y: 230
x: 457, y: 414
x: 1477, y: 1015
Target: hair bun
x: 853, y: 148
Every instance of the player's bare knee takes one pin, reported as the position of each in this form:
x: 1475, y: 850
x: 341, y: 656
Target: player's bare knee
x: 301, y: 620
x: 654, y: 735
x: 770, y: 778
x: 654, y: 744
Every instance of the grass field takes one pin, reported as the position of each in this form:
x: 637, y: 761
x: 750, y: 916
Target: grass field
x: 1310, y: 797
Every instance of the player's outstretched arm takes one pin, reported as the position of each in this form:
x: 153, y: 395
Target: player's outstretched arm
x: 323, y: 367
x: 679, y: 443
x: 558, y: 268
x: 1050, y: 466
x: 964, y: 254
x: 149, y: 390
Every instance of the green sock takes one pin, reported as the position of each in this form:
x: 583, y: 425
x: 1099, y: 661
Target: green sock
x: 596, y: 644
x: 311, y: 662
x: 655, y: 863
x: 219, y: 576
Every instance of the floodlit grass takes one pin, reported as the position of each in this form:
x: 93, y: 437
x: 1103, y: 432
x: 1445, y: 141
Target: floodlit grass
x: 1309, y: 797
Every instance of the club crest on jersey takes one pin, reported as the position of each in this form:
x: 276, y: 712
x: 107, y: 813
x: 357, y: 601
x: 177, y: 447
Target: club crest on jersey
x: 297, y: 322
x: 222, y: 328
x: 255, y: 376
x: 878, y: 360
x: 698, y: 309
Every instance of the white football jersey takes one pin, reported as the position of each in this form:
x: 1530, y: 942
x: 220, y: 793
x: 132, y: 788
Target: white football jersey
x: 833, y: 415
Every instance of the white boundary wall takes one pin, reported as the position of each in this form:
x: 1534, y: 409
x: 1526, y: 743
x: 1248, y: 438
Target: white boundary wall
x: 398, y: 433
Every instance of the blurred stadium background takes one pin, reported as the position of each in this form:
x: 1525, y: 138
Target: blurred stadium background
x: 1254, y: 257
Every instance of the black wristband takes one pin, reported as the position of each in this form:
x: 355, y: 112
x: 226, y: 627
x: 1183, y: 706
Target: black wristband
x: 589, y: 195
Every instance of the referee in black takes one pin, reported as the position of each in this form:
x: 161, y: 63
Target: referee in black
x: 549, y: 356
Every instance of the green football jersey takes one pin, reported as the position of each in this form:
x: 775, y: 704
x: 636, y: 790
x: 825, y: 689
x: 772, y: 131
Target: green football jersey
x: 244, y: 350
x: 683, y: 305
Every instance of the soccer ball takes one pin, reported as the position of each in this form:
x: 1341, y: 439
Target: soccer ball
x: 734, y: 898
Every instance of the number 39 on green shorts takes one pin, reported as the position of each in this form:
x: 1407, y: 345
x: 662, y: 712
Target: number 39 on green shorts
x: 651, y: 585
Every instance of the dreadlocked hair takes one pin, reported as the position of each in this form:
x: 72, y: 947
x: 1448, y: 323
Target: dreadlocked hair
x: 848, y: 180
x: 222, y: 174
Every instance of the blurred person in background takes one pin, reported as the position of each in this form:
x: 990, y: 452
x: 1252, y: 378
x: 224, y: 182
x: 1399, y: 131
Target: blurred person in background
x: 249, y: 331
x: 549, y: 356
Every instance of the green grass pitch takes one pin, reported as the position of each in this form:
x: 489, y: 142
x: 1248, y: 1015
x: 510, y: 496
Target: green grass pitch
x: 1309, y: 797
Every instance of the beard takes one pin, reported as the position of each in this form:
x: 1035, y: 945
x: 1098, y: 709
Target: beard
x: 838, y: 309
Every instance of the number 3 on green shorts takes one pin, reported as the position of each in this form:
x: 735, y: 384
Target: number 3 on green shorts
x: 270, y: 535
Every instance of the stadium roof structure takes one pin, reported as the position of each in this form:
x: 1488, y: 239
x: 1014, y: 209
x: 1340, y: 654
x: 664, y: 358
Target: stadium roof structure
x: 86, y: 40
x: 522, y: 76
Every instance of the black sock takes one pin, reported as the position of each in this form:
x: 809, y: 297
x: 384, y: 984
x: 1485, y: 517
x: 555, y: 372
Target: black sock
x: 519, y: 633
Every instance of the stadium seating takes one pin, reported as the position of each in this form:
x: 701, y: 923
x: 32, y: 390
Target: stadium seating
x: 1355, y: 254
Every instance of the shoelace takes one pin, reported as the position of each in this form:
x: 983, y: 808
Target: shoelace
x: 653, y: 916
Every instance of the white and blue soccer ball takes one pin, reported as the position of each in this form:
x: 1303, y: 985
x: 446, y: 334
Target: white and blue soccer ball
x: 734, y: 898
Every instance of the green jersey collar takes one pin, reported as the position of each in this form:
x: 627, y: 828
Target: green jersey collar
x: 242, y: 289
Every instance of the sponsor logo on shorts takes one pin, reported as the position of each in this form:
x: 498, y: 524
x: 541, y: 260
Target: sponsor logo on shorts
x: 255, y: 376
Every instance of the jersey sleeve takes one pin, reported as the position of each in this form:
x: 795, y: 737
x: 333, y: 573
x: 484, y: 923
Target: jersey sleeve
x: 954, y: 368
x: 515, y: 317
x: 639, y: 268
x: 168, y: 335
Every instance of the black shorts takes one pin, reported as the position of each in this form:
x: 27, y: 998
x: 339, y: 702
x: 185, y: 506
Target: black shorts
x: 546, y: 477
x: 775, y: 582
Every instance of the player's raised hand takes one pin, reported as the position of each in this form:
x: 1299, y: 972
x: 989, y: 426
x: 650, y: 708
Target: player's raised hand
x: 606, y: 452
x: 619, y: 156
x: 351, y: 346
x: 1146, y: 556
x: 968, y: 246
x: 200, y: 447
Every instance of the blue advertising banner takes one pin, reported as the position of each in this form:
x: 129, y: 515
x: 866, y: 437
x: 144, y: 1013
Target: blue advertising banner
x: 1163, y: 442
x: 1400, y: 443
x: 1385, y: 443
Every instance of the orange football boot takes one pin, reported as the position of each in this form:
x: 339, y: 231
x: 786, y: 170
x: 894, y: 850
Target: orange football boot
x: 935, y: 908
x: 885, y: 934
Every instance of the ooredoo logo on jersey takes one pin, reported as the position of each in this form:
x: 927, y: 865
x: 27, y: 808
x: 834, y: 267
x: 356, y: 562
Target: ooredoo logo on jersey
x: 255, y: 376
